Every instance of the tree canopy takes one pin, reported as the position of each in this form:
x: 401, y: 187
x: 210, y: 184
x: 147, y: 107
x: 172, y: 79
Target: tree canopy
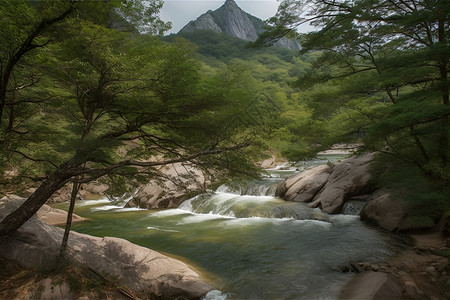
x: 84, y: 98
x: 382, y: 71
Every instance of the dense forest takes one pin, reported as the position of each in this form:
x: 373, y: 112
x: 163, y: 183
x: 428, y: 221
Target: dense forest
x: 108, y: 83
x: 381, y: 72
x: 79, y: 83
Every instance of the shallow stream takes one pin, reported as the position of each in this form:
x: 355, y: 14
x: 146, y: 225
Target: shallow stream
x: 249, y: 246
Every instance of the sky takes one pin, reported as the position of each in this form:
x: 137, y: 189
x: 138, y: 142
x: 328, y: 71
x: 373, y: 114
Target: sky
x: 180, y: 12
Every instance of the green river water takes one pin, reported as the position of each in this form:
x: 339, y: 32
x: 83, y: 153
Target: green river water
x: 249, y: 246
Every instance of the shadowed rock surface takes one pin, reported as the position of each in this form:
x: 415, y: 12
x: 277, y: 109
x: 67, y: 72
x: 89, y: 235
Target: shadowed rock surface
x: 394, y: 214
x: 372, y: 285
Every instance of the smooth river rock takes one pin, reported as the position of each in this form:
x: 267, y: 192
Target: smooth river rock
x: 371, y: 286
x: 349, y: 178
x: 329, y: 187
x: 36, y: 245
x: 181, y: 183
x: 303, y: 187
x: 394, y: 214
x: 54, y: 216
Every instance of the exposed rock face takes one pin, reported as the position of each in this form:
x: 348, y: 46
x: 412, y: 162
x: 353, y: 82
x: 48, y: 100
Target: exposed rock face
x: 92, y: 189
x: 166, y: 194
x: 204, y: 22
x: 271, y: 162
x: 349, y: 178
x: 54, y: 216
x: 329, y: 187
x: 231, y: 19
x: 180, y: 182
x: 372, y: 285
x: 393, y: 214
x: 304, y: 187
x: 236, y: 22
x: 36, y: 244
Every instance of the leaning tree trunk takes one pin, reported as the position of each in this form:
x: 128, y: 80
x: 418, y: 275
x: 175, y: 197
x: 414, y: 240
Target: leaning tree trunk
x: 53, y: 183
x: 75, y: 188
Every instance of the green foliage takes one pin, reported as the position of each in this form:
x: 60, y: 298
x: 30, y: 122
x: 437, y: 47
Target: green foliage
x: 292, y: 133
x: 88, y: 100
x: 226, y: 47
x: 427, y: 197
x: 380, y: 69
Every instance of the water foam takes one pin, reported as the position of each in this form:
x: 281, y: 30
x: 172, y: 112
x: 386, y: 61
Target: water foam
x: 92, y: 202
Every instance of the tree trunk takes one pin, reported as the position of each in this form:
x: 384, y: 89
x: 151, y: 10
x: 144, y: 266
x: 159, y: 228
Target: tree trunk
x: 75, y: 188
x: 53, y: 183
x: 443, y: 63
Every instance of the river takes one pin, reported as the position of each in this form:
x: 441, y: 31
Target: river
x: 247, y: 243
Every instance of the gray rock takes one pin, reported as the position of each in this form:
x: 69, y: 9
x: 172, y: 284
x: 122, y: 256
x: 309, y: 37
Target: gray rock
x: 356, y: 267
x: 393, y: 214
x: 182, y: 182
x: 349, y: 178
x: 54, y: 216
x: 372, y: 285
x: 304, y: 186
x: 204, y: 22
x: 36, y: 245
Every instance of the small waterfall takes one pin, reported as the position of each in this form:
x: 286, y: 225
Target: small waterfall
x: 248, y: 206
x: 265, y: 187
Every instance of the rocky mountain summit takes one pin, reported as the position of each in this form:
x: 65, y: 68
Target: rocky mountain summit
x: 231, y: 19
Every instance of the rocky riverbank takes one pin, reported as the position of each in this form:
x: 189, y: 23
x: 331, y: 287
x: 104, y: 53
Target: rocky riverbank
x: 335, y: 187
x: 133, y: 269
x: 421, y: 272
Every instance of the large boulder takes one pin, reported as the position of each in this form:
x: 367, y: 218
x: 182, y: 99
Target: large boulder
x: 178, y: 182
x: 36, y: 245
x: 329, y: 187
x: 303, y: 187
x: 181, y: 183
x: 372, y: 285
x: 54, y: 216
x: 49, y: 215
x: 89, y: 190
x: 394, y: 214
x: 349, y: 178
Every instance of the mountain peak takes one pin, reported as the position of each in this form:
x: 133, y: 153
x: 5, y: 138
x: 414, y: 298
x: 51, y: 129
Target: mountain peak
x: 230, y: 3
x: 231, y: 19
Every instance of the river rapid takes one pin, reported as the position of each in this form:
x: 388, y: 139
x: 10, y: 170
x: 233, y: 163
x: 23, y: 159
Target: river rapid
x: 247, y: 243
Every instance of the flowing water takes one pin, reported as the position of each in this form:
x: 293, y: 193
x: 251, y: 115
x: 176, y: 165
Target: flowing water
x: 249, y: 244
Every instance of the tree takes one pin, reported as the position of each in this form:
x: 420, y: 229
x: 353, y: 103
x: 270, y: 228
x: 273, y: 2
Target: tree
x: 387, y: 55
x: 105, y: 91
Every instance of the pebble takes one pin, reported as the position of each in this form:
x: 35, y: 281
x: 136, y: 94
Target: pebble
x: 375, y: 268
x: 430, y: 269
x: 448, y: 282
x: 410, y: 283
